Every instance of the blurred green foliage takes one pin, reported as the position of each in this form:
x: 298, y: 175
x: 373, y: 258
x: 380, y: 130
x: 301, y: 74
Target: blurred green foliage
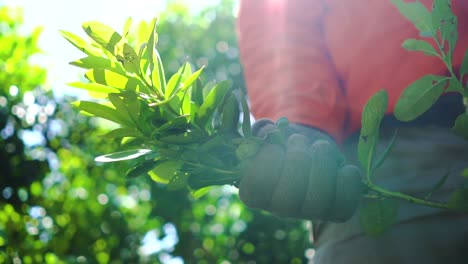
x: 58, y: 206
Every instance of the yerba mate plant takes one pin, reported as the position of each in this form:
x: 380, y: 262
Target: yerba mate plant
x: 187, y: 134
x: 417, y: 98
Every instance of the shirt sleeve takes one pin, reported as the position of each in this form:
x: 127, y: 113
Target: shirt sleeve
x: 287, y: 68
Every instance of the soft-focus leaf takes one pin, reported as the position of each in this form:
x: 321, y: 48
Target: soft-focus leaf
x: 157, y: 75
x: 103, y: 34
x: 372, y: 115
x: 141, y: 168
x: 377, y: 216
x: 123, y: 155
x: 128, y: 57
x: 94, y: 87
x: 464, y: 65
x: 94, y: 62
x: 178, y: 181
x: 212, y: 101
x: 246, y: 126
x: 103, y: 111
x: 81, y: 44
x: 175, y: 81
x: 116, y: 80
x: 165, y: 170
x: 127, y: 26
x: 455, y: 85
x: 461, y: 126
x: 459, y: 200
x: 201, y: 192
x: 121, y: 107
x: 420, y: 45
x: 417, y: 13
x: 123, y: 132
x: 190, y: 80
x: 419, y: 96
x: 384, y: 155
x: 444, y: 19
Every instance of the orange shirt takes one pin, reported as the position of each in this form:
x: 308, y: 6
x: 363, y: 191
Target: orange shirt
x: 317, y: 62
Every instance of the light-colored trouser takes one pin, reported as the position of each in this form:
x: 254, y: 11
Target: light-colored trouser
x: 420, y: 157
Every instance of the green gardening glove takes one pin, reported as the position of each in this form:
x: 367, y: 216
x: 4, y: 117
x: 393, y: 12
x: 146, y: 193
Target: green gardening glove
x: 303, y: 177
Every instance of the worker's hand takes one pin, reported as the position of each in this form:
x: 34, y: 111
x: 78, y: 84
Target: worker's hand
x: 304, y: 178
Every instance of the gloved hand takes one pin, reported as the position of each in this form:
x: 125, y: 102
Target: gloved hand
x: 303, y: 178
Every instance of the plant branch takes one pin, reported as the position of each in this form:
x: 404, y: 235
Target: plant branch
x: 405, y: 197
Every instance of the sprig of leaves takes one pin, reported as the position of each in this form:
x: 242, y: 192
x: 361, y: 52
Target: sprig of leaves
x: 180, y: 132
x: 440, y: 25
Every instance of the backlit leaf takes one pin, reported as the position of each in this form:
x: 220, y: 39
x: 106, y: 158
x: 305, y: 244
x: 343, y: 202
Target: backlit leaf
x: 212, y: 101
x: 102, y: 111
x: 94, y: 87
x: 103, y: 34
x: 81, y: 44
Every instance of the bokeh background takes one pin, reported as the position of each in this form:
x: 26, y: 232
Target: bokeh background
x: 58, y: 206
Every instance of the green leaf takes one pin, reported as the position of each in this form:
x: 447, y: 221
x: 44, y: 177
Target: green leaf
x: 121, y: 107
x: 103, y: 34
x: 127, y: 26
x: 459, y: 200
x: 246, y: 126
x: 151, y: 44
x: 372, y: 116
x: 201, y: 192
x: 123, y: 155
x: 133, y: 105
x: 419, y: 96
x: 126, y: 55
x: 438, y: 185
x: 116, y: 80
x: 212, y: 101
x: 461, y: 126
x: 157, y: 75
x: 192, y: 78
x: 165, y: 170
x: 102, y: 111
x: 454, y: 85
x: 141, y: 168
x: 464, y: 65
x: 420, y: 45
x: 94, y: 87
x: 81, y: 44
x: 377, y: 216
x: 387, y: 150
x: 123, y: 132
x: 94, y: 62
x: 179, y: 181
x: 230, y: 116
x: 417, y: 13
x: 174, y: 82
x: 444, y: 19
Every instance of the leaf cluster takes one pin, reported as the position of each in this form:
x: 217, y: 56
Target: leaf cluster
x: 440, y: 25
x: 180, y: 131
